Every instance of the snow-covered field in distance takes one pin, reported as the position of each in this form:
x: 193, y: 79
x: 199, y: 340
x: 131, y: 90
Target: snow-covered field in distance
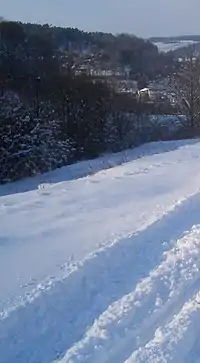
x: 171, y: 46
x: 100, y: 260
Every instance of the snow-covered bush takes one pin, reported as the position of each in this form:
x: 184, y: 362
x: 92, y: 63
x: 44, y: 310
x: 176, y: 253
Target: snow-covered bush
x: 29, y: 145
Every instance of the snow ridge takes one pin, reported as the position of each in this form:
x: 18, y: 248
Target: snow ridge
x: 154, y: 300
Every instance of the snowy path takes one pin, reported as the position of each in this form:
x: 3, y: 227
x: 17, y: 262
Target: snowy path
x: 131, y: 320
x: 105, y: 268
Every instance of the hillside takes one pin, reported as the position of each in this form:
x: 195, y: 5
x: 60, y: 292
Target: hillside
x: 104, y: 51
x: 62, y: 96
x: 177, y: 47
x: 99, y: 262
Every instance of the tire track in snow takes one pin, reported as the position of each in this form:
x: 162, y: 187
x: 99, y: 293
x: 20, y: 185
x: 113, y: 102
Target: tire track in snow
x: 174, y: 341
x: 162, y: 318
x: 193, y: 355
x: 115, y: 334
x: 113, y: 271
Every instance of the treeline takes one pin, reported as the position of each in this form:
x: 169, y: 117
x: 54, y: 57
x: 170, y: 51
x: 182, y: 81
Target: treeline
x: 123, y: 50
x: 50, y: 117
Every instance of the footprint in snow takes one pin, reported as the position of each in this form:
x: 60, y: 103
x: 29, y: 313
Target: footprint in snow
x: 9, y: 204
x: 43, y: 193
x: 128, y: 174
x: 118, y: 177
x: 94, y: 181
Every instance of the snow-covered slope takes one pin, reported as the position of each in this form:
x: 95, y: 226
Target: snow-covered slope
x: 99, y: 262
x: 172, y: 46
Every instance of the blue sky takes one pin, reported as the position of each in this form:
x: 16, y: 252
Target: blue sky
x: 141, y: 17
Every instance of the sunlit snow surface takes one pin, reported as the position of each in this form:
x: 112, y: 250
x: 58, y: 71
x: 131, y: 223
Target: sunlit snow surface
x: 99, y: 261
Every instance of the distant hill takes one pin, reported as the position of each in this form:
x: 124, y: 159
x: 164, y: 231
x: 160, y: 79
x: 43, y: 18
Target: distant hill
x: 195, y: 38
x: 110, y: 51
x: 177, y: 46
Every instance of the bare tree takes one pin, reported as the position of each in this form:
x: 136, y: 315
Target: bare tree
x: 185, y: 88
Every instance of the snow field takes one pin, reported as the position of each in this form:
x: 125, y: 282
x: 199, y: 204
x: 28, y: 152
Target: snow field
x: 99, y: 261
